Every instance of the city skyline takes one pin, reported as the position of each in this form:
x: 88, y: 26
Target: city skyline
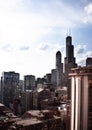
x: 31, y: 32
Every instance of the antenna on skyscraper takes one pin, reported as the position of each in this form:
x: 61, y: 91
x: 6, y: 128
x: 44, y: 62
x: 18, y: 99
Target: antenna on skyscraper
x: 68, y: 32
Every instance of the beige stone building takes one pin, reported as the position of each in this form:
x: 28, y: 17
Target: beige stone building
x: 81, y: 98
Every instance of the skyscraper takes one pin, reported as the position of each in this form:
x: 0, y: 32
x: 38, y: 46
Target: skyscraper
x: 89, y: 61
x: 59, y: 68
x: 29, y: 82
x: 54, y: 77
x: 69, y: 63
x: 81, y: 98
x: 9, y: 85
x: 69, y: 59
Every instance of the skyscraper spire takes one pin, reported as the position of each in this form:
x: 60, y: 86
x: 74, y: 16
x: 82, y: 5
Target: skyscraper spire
x: 69, y: 61
x: 68, y: 32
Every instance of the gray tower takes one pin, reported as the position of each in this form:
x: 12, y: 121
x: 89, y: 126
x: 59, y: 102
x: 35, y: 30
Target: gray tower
x: 9, y: 86
x: 69, y: 59
x: 89, y: 61
x: 59, y: 68
x: 69, y: 63
x: 29, y: 82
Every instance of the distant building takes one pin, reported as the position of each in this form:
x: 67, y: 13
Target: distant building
x: 59, y: 68
x: 9, y: 86
x: 0, y: 92
x: 7, y: 118
x: 51, y: 104
x: 48, y: 78
x: 54, y: 77
x: 29, y: 82
x: 61, y: 92
x: 68, y: 114
x: 21, y: 85
x: 69, y: 59
x: 40, y: 81
x: 81, y: 98
x: 69, y: 63
x: 39, y: 95
x: 89, y: 61
x: 31, y: 120
x: 40, y: 120
x: 26, y: 100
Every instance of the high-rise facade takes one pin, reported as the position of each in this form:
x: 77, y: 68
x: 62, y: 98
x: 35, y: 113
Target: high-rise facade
x: 69, y: 59
x: 81, y: 98
x: 48, y: 78
x: 59, y: 68
x: 54, y: 77
x: 89, y: 61
x: 9, y: 86
x: 29, y: 82
x: 69, y: 63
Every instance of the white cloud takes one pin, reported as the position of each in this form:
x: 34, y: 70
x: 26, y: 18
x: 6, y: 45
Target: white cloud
x: 8, y: 6
x: 80, y: 49
x: 88, y: 13
x: 81, y: 54
x: 24, y: 48
x: 7, y: 47
x: 89, y: 54
x: 20, y: 25
x: 24, y: 26
x: 88, y: 8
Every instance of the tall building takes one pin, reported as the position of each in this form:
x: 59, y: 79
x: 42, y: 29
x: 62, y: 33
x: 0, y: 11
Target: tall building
x: 9, y: 86
x: 69, y: 59
x: 89, y: 61
x: 69, y: 63
x: 26, y: 100
x: 29, y: 82
x: 53, y: 77
x: 48, y: 78
x: 81, y: 98
x: 59, y: 68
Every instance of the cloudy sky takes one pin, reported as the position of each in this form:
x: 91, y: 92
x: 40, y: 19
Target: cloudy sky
x: 32, y: 31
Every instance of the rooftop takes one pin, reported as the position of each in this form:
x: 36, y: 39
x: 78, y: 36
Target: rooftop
x: 27, y: 122
x: 86, y: 70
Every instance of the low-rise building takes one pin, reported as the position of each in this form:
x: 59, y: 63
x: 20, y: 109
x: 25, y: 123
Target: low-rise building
x: 39, y: 95
x: 40, y: 120
x: 31, y: 120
